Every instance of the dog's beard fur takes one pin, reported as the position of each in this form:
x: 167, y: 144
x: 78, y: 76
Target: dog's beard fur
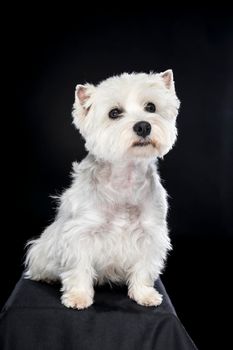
x: 111, y: 223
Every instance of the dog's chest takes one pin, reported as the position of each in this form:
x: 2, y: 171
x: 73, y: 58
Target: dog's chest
x: 120, y: 239
x: 122, y: 235
x: 122, y: 218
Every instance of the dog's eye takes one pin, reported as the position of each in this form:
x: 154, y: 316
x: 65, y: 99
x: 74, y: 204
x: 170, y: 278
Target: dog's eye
x: 114, y: 113
x: 150, y: 107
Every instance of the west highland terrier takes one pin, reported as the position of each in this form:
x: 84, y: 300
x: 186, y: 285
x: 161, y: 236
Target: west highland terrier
x: 111, y: 223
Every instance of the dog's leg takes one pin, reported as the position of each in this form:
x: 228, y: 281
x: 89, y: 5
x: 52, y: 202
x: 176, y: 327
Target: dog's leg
x: 140, y: 284
x: 77, y: 273
x: 77, y: 288
x: 41, y: 262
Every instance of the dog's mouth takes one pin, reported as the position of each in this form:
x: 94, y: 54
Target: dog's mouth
x: 143, y: 143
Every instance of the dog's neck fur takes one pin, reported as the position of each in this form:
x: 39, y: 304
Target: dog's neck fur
x: 126, y: 174
x: 124, y: 179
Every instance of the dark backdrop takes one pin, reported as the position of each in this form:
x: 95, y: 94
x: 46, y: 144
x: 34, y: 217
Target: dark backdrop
x: 48, y: 53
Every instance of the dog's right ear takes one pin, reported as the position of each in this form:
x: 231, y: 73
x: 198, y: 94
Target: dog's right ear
x: 83, y: 94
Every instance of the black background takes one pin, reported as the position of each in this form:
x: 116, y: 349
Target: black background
x: 47, y: 53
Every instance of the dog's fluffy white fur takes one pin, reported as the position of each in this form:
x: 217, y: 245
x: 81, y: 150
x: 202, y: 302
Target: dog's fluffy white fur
x: 111, y: 223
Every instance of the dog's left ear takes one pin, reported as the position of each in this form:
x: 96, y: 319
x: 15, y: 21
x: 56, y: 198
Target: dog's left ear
x: 168, y: 80
x: 83, y: 95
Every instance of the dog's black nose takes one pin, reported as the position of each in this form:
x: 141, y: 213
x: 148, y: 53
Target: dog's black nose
x: 142, y: 128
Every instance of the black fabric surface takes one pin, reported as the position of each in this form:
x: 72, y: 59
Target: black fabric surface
x: 34, y: 318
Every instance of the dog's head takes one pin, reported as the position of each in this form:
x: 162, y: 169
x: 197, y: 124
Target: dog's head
x: 128, y: 116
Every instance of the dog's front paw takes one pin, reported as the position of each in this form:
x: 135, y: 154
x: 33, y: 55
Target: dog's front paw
x: 77, y: 299
x: 146, y: 296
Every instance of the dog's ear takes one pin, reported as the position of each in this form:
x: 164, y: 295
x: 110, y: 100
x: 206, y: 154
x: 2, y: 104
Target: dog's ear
x: 83, y: 94
x: 168, y: 80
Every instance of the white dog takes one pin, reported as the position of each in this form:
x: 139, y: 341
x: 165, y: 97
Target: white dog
x: 111, y: 223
